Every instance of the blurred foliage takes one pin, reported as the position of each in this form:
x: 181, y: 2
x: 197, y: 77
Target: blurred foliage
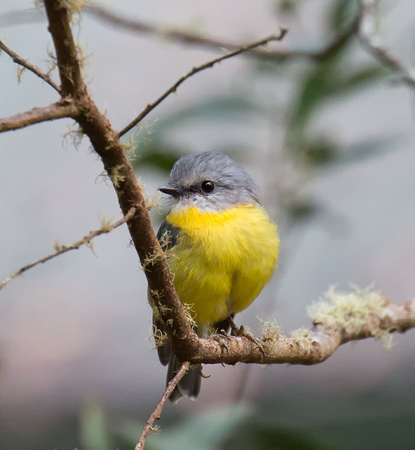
x: 93, y: 426
x: 309, y: 423
x: 314, y: 85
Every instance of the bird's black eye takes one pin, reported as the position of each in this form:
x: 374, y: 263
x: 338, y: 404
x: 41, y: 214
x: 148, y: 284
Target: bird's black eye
x: 208, y: 186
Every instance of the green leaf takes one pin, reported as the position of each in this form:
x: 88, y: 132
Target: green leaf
x: 317, y: 85
x: 287, y: 7
x: 359, y: 79
x: 301, y: 210
x: 343, y: 11
x: 320, y: 151
x: 326, y: 81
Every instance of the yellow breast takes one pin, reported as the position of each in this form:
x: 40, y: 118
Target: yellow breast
x: 222, y: 261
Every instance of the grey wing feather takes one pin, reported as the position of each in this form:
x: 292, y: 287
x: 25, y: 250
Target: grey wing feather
x: 167, y: 236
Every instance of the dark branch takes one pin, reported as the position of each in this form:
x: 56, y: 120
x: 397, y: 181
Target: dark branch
x: 26, y: 64
x: 54, y: 111
x: 66, y: 50
x: 197, y: 69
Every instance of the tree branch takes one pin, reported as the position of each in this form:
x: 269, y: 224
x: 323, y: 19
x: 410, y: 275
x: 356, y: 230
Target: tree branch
x: 190, y: 38
x: 106, y: 143
x: 26, y: 64
x: 310, y: 346
x: 69, y: 66
x: 375, y: 45
x: 197, y: 69
x: 157, y: 412
x: 60, y: 249
x: 58, y: 110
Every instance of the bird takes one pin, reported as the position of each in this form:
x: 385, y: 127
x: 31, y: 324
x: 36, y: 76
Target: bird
x: 221, y: 248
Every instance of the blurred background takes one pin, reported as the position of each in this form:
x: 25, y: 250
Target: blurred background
x: 330, y: 140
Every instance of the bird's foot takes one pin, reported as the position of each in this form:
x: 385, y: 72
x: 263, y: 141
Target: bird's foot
x: 241, y: 331
x: 222, y: 337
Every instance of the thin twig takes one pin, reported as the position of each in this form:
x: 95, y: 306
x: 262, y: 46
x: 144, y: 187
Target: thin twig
x: 157, y: 412
x: 24, y: 63
x: 375, y: 45
x: 58, y: 110
x: 186, y: 37
x: 197, y: 69
x: 60, y: 249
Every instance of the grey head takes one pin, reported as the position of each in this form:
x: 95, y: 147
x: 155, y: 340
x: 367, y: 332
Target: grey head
x: 209, y: 181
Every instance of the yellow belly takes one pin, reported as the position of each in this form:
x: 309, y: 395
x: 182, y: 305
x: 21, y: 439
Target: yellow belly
x: 222, y: 261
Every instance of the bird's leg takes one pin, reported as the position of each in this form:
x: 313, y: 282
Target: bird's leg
x: 221, y: 337
x: 241, y: 331
x: 220, y: 332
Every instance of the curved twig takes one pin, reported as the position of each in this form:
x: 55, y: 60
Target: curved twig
x: 197, y: 69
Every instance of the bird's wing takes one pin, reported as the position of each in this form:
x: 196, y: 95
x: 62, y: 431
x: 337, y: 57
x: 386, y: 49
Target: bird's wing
x: 167, y: 236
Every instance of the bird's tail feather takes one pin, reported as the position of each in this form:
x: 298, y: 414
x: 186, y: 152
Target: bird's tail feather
x: 189, y: 385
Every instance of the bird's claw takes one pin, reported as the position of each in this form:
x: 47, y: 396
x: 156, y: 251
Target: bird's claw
x: 222, y: 338
x: 241, y: 331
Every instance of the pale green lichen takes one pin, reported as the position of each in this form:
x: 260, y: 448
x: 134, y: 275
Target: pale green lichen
x: 303, y: 337
x: 58, y: 246
x: 106, y: 224
x: 159, y: 336
x: 353, y: 310
x: 189, y: 313
x: 152, y: 258
x: 270, y: 330
x: 117, y: 175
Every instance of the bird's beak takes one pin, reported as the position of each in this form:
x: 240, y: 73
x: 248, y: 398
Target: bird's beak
x: 170, y: 190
